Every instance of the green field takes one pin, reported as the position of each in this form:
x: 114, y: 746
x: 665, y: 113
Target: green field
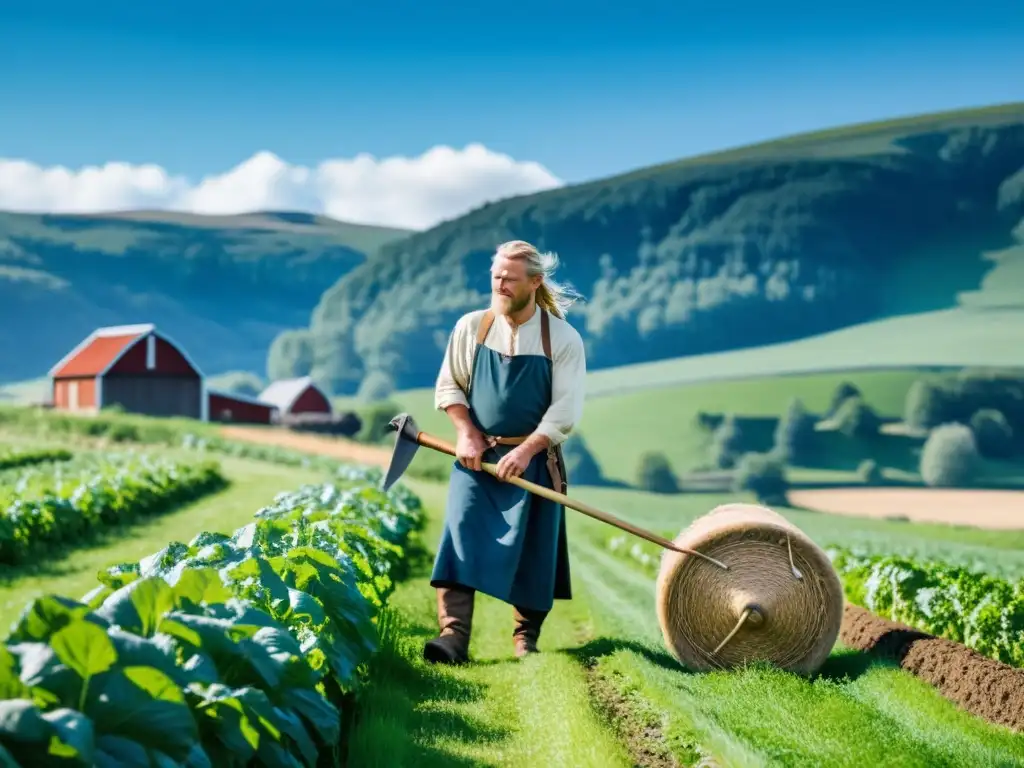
x: 603, y: 692
x: 620, y: 428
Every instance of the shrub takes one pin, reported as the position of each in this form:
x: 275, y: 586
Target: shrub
x: 856, y: 419
x: 763, y: 475
x: 580, y: 465
x: 375, y: 419
x: 992, y: 433
x: 376, y: 387
x: 869, y: 472
x: 949, y: 457
x: 843, y: 392
x: 655, y: 474
x: 926, y: 405
x: 726, y: 443
x: 794, y: 435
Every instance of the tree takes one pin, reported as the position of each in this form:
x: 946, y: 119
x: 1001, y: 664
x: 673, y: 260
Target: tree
x: 949, y: 458
x: 992, y: 434
x: 869, y: 472
x: 926, y: 405
x: 794, y: 435
x: 842, y: 393
x: 655, y: 474
x: 290, y: 355
x: 726, y: 443
x: 375, y: 420
x: 857, y: 419
x: 376, y: 386
x: 763, y: 475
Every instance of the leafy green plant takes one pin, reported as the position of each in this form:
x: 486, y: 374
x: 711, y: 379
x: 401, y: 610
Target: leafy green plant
x: 44, y: 509
x: 14, y: 458
x: 981, y: 611
x: 229, y: 650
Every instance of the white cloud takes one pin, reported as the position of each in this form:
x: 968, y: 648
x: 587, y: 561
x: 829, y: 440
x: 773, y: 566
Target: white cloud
x: 415, y: 192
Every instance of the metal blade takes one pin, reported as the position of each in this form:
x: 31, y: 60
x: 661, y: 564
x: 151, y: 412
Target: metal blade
x: 406, y: 446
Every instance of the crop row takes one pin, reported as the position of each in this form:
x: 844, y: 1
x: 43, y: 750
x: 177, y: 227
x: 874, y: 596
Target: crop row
x: 42, y: 510
x: 229, y: 650
x: 244, y: 450
x: 982, y: 611
x: 11, y: 459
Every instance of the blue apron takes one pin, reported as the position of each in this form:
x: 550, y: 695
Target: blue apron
x: 498, y: 538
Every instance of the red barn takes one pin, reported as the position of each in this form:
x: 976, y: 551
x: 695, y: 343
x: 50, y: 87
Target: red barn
x: 239, y: 409
x: 297, y: 397
x: 133, y: 366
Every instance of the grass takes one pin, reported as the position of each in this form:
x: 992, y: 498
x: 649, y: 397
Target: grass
x: 998, y: 552
x: 497, y: 712
x: 604, y: 691
x: 253, y: 484
x: 620, y: 428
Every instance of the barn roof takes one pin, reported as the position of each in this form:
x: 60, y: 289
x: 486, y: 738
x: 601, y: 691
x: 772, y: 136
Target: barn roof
x: 285, y: 392
x: 98, y: 351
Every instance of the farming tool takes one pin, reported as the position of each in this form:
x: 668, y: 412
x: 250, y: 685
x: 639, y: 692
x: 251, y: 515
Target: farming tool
x: 740, y: 584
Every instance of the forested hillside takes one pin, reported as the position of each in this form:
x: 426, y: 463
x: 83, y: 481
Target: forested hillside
x: 748, y: 247
x: 223, y: 287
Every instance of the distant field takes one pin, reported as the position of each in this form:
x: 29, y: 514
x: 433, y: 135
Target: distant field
x: 950, y: 338
x: 995, y: 510
x: 619, y: 428
x: 993, y: 551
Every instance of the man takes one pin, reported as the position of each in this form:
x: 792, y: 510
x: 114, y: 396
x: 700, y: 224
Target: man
x: 512, y: 383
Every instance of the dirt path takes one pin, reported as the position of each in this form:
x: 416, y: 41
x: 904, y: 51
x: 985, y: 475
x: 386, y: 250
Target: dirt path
x: 996, y: 510
x: 336, y: 448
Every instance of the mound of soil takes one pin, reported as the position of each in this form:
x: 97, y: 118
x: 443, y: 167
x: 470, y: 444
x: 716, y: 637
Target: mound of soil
x: 982, y: 686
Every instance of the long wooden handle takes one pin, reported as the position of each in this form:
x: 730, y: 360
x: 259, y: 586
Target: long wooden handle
x: 437, y: 444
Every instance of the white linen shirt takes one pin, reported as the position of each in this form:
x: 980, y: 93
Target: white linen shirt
x: 568, y: 366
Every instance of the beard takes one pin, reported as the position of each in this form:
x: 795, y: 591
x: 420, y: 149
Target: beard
x: 508, y: 305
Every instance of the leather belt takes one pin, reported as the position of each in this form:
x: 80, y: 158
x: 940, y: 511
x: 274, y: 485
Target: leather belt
x: 554, y: 462
x: 504, y: 440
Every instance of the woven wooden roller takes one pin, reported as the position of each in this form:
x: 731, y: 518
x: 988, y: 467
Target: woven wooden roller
x: 780, y: 599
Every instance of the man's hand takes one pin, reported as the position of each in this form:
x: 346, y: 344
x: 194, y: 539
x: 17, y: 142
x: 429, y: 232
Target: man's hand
x: 470, y: 447
x: 515, y: 462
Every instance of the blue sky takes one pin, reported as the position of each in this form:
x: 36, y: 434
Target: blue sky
x: 587, y: 90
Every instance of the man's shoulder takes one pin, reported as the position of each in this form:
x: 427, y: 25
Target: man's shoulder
x: 565, y: 332
x: 470, y: 321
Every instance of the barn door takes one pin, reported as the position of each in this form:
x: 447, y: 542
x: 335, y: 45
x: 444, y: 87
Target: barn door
x: 73, y: 395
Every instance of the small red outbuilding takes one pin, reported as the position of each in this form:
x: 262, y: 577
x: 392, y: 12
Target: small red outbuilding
x: 133, y: 366
x: 297, y: 397
x: 233, y: 408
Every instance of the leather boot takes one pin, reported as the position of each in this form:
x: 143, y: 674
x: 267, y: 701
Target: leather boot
x: 455, y: 616
x: 527, y: 630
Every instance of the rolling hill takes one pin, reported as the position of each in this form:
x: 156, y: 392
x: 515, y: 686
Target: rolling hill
x: 755, y: 246
x: 222, y: 286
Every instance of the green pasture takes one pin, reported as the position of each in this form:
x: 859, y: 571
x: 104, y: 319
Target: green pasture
x: 604, y: 692
x: 620, y: 428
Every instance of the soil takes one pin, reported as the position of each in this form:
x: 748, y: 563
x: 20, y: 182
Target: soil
x: 639, y: 730
x: 982, y: 686
x: 998, y: 510
x: 336, y: 448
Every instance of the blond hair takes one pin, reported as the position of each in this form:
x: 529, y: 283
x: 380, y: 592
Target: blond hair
x: 554, y: 297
